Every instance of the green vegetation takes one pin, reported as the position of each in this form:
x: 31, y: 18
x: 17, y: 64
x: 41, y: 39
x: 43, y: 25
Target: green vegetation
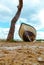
x: 3, y: 40
x: 40, y: 40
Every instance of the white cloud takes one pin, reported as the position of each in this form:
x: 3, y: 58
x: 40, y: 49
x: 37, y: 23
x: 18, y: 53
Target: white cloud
x: 15, y: 2
x: 31, y: 3
x: 41, y: 17
x: 16, y: 34
x: 40, y: 35
x: 4, y: 8
x: 34, y: 2
x: 7, y: 9
x: 38, y: 19
x: 23, y: 20
x: 5, y: 13
x: 10, y: 7
x: 3, y: 33
x: 10, y: 4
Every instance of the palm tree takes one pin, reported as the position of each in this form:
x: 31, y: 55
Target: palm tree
x: 14, y: 20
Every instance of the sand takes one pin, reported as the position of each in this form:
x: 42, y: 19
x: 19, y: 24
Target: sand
x: 21, y: 53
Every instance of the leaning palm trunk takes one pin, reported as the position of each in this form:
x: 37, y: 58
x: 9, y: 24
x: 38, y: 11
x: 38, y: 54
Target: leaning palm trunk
x: 14, y: 20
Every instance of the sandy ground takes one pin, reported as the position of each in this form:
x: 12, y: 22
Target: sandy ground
x: 21, y: 53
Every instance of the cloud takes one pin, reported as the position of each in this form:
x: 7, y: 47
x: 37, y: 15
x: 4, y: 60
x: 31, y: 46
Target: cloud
x: 31, y: 3
x: 16, y: 34
x: 32, y: 14
x: 3, y: 33
x: 7, y: 9
x: 23, y: 20
x: 37, y: 19
x: 41, y: 17
x: 5, y: 13
x: 40, y: 35
x: 4, y: 8
x: 11, y: 4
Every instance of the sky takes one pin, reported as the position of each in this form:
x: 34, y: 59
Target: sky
x: 32, y: 14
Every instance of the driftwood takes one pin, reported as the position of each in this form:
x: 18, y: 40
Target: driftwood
x: 14, y: 20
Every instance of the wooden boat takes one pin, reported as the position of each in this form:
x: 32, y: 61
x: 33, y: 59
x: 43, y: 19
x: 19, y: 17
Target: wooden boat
x: 27, y: 32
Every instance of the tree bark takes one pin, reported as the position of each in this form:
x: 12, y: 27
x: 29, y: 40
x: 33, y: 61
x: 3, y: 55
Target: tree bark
x: 14, y: 20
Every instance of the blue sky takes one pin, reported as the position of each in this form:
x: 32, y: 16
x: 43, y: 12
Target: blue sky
x: 32, y: 14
